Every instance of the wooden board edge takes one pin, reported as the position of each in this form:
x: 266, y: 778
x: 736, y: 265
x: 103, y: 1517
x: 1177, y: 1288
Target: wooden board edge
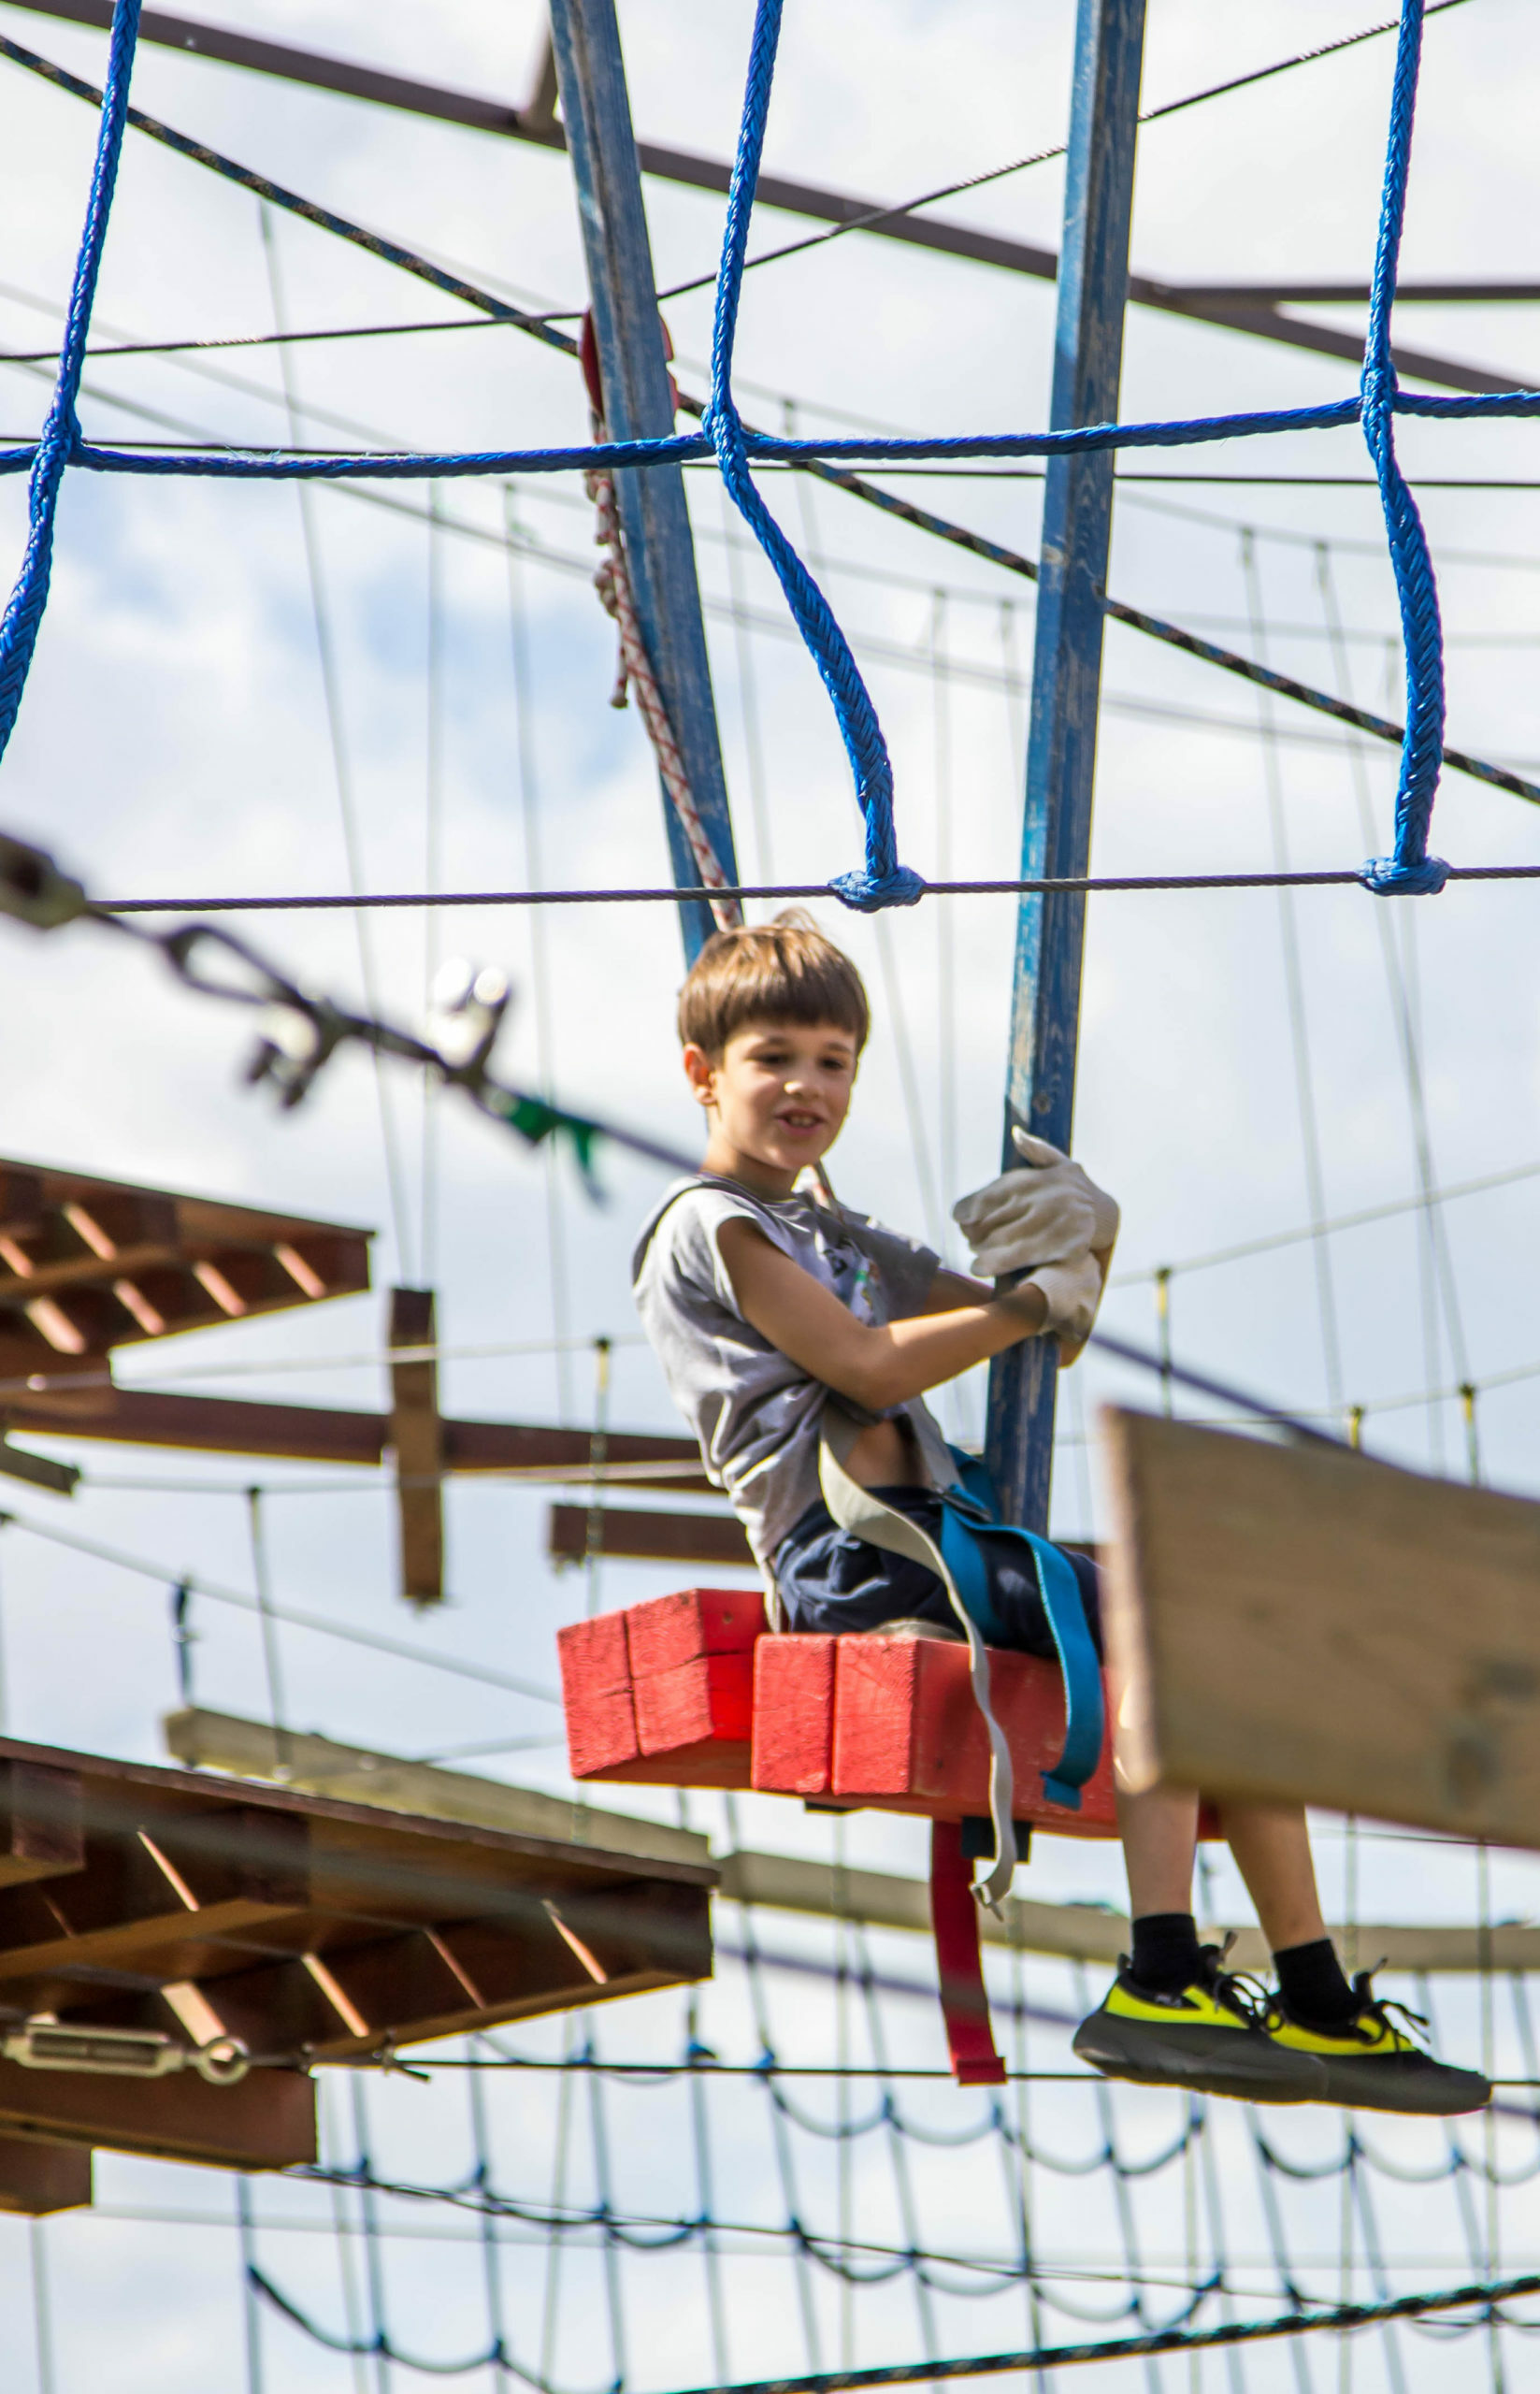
x: 1136, y: 1749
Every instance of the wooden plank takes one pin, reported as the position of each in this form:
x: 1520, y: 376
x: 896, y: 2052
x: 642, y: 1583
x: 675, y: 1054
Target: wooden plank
x: 224, y: 1742
x: 710, y: 1699
x: 265, y: 2122
x: 714, y: 1539
x: 36, y: 2179
x: 596, y: 1701
x: 1300, y: 1623
x: 677, y: 1628
x: 41, y: 1832
x: 794, y: 1715
x: 416, y: 1438
x: 330, y: 1434
x: 907, y: 1732
x: 782, y: 1881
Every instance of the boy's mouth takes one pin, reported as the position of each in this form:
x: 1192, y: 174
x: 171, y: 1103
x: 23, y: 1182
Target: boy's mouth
x: 798, y: 1119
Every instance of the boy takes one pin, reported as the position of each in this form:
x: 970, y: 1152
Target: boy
x: 773, y: 1314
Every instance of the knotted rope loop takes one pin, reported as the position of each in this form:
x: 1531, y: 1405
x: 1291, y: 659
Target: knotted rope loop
x: 883, y: 882
x: 61, y: 437
x: 1410, y: 872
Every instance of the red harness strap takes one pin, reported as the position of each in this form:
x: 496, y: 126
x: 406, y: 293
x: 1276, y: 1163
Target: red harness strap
x: 955, y: 1919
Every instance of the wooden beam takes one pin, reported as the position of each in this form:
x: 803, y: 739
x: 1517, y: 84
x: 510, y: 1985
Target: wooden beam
x: 416, y: 1439
x: 1304, y: 1625
x: 36, y: 2179
x: 1240, y: 308
x: 328, y: 1433
x: 785, y: 1882
x: 265, y: 2122
x: 717, y: 1539
x: 249, y: 1749
x: 41, y: 1831
x: 88, y: 1265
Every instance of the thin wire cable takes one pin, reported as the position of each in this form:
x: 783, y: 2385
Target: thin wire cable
x: 539, y: 958
x: 748, y: 688
x: 252, y: 2309
x: 1294, y: 988
x: 278, y: 1710
x: 1400, y: 973
x: 482, y: 1672
x: 433, y: 839
x: 1089, y: 885
x: 340, y: 754
x: 872, y: 217
x: 1357, y: 1220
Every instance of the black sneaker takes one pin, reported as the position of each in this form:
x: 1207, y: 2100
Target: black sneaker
x: 1372, y: 2066
x: 1212, y: 2039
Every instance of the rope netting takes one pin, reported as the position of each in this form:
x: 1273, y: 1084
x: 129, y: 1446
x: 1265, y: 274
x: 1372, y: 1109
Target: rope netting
x: 585, y: 2204
x: 882, y: 879
x: 1056, y: 2222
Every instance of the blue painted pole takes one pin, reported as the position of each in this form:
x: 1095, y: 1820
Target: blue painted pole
x: 1093, y: 282
x: 638, y: 405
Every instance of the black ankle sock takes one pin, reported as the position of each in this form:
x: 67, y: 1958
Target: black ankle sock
x: 1313, y: 1986
x: 1165, y: 1951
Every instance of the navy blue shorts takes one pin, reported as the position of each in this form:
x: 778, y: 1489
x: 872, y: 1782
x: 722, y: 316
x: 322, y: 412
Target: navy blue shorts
x: 831, y: 1582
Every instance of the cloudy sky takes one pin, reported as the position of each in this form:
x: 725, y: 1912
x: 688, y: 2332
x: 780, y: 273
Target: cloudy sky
x: 179, y: 739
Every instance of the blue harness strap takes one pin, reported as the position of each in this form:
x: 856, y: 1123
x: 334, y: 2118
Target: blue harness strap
x: 971, y: 1507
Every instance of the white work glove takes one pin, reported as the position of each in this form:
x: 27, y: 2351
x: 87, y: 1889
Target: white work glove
x: 1073, y: 1292
x: 1050, y: 1213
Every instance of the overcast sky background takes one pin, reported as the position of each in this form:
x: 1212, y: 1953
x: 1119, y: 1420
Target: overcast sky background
x: 174, y: 740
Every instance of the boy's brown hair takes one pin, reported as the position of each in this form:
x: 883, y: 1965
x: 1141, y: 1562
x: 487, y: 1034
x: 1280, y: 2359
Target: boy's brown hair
x: 784, y: 971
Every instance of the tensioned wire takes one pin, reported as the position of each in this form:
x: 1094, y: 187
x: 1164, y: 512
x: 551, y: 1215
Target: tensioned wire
x: 201, y: 1586
x: 972, y: 544
x: 1090, y: 885
x: 549, y: 494
x: 875, y: 216
x: 819, y: 464
x: 862, y: 223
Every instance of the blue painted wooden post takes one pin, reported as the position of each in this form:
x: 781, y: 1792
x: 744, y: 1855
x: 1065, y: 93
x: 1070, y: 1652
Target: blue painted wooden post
x: 1093, y: 275
x: 637, y: 404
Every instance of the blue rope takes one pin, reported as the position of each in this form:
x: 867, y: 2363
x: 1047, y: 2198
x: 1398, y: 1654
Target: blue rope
x: 1410, y: 870
x: 278, y: 465
x: 882, y: 881
x: 61, y: 434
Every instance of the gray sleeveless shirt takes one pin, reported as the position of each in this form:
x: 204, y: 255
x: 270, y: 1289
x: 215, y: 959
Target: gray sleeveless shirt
x: 756, y: 1413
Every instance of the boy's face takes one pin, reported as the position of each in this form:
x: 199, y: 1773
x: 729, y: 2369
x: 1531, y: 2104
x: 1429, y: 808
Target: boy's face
x: 777, y: 1097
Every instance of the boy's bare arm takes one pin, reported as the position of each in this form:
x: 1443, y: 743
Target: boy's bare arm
x: 876, y: 1367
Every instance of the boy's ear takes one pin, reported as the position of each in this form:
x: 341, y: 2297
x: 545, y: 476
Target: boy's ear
x: 700, y: 1072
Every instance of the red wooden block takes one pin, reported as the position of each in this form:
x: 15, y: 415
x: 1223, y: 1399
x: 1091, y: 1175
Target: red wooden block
x: 698, y: 1620
x: 793, y: 1715
x: 909, y: 1737
x: 711, y: 1697
x: 596, y: 1686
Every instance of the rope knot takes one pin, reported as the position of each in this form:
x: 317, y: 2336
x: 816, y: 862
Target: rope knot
x: 1417, y: 877
x: 869, y: 892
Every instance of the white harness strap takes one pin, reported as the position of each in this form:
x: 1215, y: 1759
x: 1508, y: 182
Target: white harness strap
x: 865, y: 1516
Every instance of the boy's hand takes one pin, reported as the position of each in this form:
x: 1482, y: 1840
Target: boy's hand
x: 1072, y: 1291
x: 1051, y: 1213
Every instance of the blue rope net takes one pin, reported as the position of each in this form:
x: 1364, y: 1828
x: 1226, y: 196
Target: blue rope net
x: 882, y: 880
x: 884, y: 2218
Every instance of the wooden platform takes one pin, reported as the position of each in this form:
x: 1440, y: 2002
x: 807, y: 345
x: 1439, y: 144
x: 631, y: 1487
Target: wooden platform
x: 1306, y: 1624
x: 151, y: 1899
x: 87, y: 1265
